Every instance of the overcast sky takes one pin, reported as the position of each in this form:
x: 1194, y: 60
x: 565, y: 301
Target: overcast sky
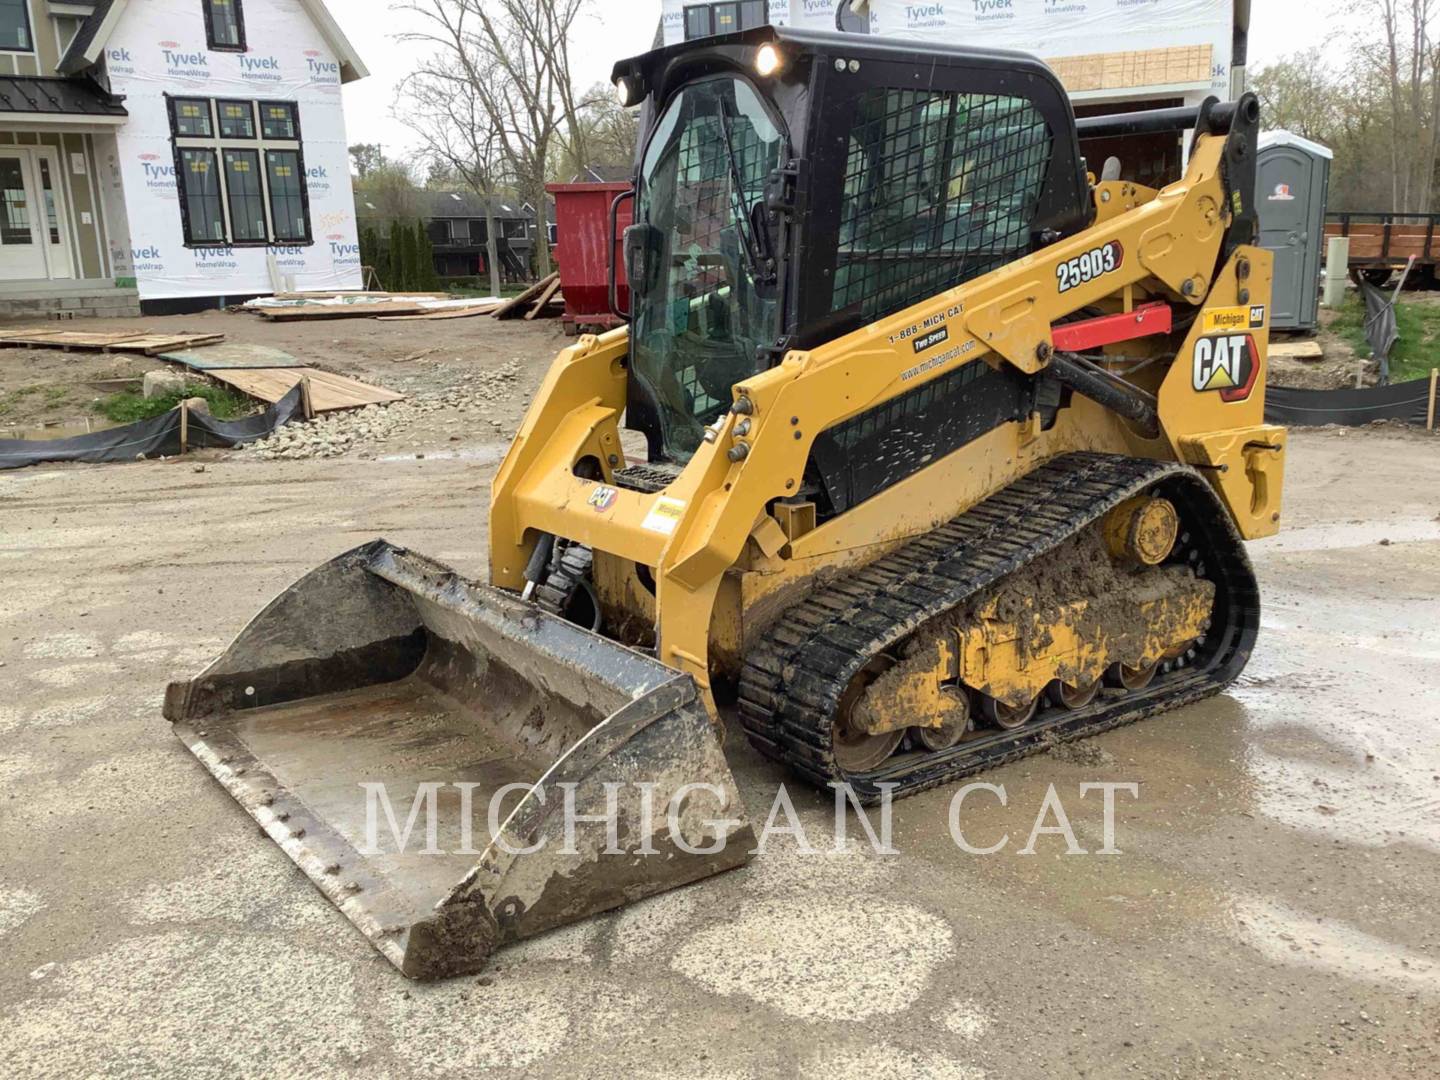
x: 620, y: 28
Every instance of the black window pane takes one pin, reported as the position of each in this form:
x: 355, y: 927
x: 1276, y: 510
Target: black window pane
x: 727, y: 18
x: 52, y: 211
x: 247, y: 199
x: 192, y: 117
x: 15, y: 202
x: 237, y: 119
x: 200, y: 187
x: 287, y: 200
x: 697, y: 23
x: 277, y: 120
x: 225, y: 32
x: 939, y: 188
x: 15, y: 26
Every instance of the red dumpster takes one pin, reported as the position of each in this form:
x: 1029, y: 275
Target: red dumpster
x: 582, y: 224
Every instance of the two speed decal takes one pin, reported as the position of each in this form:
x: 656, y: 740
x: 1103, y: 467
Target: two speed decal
x: 1085, y: 268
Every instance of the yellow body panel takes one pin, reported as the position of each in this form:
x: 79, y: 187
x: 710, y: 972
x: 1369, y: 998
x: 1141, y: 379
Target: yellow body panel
x: 723, y: 567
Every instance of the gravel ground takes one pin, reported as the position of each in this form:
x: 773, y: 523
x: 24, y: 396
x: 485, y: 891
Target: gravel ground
x: 1271, y: 913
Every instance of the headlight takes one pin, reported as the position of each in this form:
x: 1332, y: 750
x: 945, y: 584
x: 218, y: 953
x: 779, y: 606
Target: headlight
x: 627, y: 90
x: 767, y: 60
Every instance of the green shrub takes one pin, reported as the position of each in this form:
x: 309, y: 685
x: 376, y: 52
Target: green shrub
x: 127, y: 407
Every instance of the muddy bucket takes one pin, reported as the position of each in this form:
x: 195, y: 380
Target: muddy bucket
x: 454, y: 768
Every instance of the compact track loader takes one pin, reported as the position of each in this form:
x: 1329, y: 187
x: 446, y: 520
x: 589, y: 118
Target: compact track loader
x: 952, y: 449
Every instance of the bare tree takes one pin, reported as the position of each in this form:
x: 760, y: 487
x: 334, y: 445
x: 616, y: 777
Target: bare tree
x: 505, y: 64
x: 607, y: 135
x: 1399, y: 47
x: 1378, y: 108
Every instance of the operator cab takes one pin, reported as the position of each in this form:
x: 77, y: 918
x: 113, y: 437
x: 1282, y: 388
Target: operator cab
x: 795, y: 186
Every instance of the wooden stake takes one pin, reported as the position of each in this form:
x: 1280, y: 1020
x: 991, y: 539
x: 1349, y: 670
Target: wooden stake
x: 1430, y: 414
x: 307, y: 403
x: 184, y: 427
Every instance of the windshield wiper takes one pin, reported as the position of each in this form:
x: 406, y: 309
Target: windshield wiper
x: 760, y: 272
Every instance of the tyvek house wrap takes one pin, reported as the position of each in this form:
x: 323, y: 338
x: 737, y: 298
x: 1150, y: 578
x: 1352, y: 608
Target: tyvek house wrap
x: 159, y: 46
x: 1050, y: 29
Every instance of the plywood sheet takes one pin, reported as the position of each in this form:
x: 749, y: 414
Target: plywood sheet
x: 232, y: 355
x: 137, y: 341
x: 1125, y: 70
x: 328, y: 392
x: 454, y: 313
x: 1297, y: 350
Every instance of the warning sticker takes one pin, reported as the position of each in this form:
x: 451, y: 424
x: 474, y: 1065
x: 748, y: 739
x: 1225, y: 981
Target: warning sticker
x: 664, y: 515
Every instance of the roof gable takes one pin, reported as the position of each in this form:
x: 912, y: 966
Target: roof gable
x: 89, y: 42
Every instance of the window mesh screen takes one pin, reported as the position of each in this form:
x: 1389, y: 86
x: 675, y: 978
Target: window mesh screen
x: 940, y: 187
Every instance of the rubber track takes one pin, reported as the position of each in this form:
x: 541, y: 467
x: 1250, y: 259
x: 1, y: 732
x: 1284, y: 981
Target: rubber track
x: 794, y: 678
x: 564, y: 577
x: 646, y: 479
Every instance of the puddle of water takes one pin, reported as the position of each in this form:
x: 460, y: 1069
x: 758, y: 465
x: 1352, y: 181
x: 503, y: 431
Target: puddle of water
x: 487, y: 455
x: 1286, y: 936
x: 63, y: 430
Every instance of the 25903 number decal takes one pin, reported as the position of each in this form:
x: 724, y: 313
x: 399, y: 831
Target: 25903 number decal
x: 1085, y: 268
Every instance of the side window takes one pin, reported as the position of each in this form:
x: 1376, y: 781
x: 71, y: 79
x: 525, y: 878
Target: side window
x: 278, y: 120
x: 939, y: 187
x: 240, y: 169
x: 237, y: 119
x: 697, y: 22
x: 200, y: 179
x: 287, y: 195
x: 247, y: 201
x: 15, y: 26
x: 224, y: 25
x: 190, y: 117
x: 726, y: 17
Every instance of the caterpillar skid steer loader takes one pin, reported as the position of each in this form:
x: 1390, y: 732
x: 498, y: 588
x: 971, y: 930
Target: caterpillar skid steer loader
x: 952, y: 449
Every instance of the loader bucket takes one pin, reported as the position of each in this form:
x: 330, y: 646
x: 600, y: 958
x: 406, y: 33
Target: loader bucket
x: 383, y: 690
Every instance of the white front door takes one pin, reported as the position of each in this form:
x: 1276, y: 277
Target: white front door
x: 34, y: 232
x: 46, y: 162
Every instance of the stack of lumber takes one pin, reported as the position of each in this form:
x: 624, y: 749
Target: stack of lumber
x: 111, y: 341
x: 307, y: 307
x: 542, y: 298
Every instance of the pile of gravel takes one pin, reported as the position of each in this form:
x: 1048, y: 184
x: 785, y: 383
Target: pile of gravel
x: 333, y: 434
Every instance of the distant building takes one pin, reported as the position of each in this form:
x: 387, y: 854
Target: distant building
x: 170, y: 152
x: 456, y: 223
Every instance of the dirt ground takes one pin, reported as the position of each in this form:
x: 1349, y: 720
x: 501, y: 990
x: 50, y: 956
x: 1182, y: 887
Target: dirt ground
x: 426, y: 360
x: 1272, y: 912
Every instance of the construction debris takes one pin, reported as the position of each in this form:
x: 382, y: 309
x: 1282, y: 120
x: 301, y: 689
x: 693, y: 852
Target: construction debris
x: 328, y: 392
x: 1297, y: 350
x: 533, y: 298
x: 290, y: 308
x: 126, y: 341
x: 232, y: 355
x: 340, y: 432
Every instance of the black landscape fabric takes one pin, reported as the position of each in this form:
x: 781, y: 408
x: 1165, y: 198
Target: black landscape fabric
x: 1407, y: 401
x: 156, y: 437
